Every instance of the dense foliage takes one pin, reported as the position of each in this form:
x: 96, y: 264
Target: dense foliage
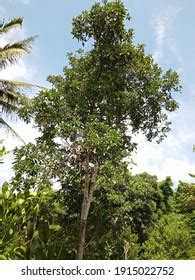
x: 128, y: 220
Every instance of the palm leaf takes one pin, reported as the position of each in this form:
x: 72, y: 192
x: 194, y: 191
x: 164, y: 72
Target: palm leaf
x: 14, y: 23
x: 7, y: 107
x: 9, y: 129
x: 11, y: 95
x: 11, y: 52
x: 10, y: 91
x: 10, y: 98
x: 18, y: 85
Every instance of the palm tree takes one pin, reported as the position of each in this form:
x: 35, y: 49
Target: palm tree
x: 10, y: 91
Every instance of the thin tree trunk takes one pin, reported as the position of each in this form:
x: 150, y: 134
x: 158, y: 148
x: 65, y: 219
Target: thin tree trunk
x: 88, y: 194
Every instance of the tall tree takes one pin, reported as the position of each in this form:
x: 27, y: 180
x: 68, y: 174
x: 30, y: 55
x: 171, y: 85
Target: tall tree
x: 10, y: 93
x: 106, y: 95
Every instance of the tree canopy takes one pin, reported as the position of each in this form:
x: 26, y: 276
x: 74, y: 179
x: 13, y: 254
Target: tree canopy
x: 104, y: 96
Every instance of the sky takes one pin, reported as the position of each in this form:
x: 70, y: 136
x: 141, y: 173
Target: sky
x: 165, y: 27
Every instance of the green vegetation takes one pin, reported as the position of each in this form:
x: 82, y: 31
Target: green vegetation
x: 169, y: 240
x: 72, y: 195
x: 2, y: 152
x: 128, y: 220
x: 185, y: 204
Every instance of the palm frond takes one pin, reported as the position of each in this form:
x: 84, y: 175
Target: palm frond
x: 14, y: 23
x: 10, y: 98
x: 9, y: 101
x: 9, y: 129
x: 7, y: 107
x: 19, y: 85
x: 11, y: 95
x: 11, y: 52
x: 10, y: 91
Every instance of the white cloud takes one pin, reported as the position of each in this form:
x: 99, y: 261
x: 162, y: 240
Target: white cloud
x: 173, y: 157
x: 162, y: 24
x: 16, y: 72
x: 169, y: 158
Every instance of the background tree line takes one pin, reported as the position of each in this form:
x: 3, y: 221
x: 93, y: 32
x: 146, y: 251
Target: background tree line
x: 136, y: 217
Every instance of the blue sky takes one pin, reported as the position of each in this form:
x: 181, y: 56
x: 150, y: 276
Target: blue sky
x: 165, y: 27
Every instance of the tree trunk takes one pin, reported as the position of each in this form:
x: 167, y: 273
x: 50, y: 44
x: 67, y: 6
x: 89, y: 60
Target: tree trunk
x: 88, y: 194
